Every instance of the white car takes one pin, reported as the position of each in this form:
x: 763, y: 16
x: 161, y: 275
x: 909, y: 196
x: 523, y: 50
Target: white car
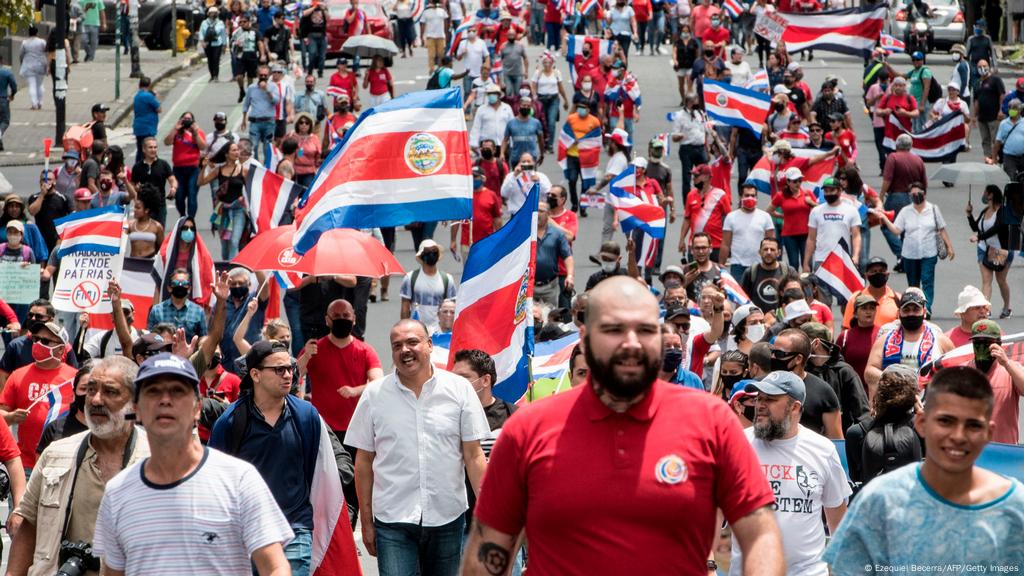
x: 947, y: 22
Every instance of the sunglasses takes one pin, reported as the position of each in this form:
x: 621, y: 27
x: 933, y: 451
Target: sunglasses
x: 188, y: 228
x: 683, y: 327
x: 47, y: 341
x: 782, y: 354
x: 180, y: 283
x: 38, y: 318
x: 280, y: 370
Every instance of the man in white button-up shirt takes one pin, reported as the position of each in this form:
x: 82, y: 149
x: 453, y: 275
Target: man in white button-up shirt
x: 491, y: 119
x: 415, y: 430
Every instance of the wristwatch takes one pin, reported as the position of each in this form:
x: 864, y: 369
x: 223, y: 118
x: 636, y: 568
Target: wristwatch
x: 712, y: 566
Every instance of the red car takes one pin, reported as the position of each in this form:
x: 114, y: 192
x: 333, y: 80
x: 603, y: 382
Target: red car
x: 377, y: 23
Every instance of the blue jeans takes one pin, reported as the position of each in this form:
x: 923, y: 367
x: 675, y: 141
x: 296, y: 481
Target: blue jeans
x: 690, y: 155
x: 299, y: 552
x: 654, y: 27
x: 895, y: 201
x: 737, y: 271
x: 229, y: 245
x: 261, y: 133
x: 187, y: 196
x: 554, y: 35
x: 404, y: 549
x: 627, y: 125
x: 512, y: 84
x: 315, y: 52
x: 90, y: 41
x: 794, y: 247
x: 921, y: 273
x: 293, y: 310
x: 865, y: 247
x: 550, y: 104
x: 572, y: 176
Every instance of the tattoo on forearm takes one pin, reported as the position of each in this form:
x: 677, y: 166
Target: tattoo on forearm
x: 493, y: 557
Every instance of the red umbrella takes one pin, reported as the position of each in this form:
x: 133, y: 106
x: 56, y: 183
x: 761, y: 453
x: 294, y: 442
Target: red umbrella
x: 338, y: 251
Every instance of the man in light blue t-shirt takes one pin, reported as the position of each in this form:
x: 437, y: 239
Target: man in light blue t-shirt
x: 944, y: 511
x: 524, y: 134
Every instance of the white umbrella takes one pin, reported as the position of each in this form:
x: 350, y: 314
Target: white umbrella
x: 368, y: 46
x: 972, y: 173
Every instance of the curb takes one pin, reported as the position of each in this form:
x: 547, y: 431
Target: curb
x: 190, y: 60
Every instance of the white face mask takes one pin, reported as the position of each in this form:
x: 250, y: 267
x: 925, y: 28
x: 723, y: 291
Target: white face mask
x: 71, y: 163
x: 586, y: 85
x: 956, y: 57
x: 755, y: 332
x: 609, y: 267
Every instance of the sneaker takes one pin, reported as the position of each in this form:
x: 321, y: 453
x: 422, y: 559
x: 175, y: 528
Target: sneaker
x: 1005, y: 314
x: 898, y: 268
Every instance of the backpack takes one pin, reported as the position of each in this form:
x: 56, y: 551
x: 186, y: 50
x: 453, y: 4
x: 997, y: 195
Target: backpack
x: 435, y: 80
x: 416, y: 274
x: 888, y: 447
x: 26, y: 255
x: 934, y: 90
x: 211, y: 35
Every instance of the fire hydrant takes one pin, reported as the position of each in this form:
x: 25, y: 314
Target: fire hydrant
x: 181, y: 35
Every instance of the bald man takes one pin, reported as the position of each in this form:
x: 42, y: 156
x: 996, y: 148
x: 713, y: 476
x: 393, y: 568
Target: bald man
x: 417, y: 431
x: 339, y: 366
x: 619, y: 461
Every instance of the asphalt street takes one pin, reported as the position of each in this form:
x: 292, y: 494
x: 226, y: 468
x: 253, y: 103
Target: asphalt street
x: 194, y: 92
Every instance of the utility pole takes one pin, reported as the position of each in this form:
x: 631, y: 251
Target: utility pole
x: 133, y: 29
x: 60, y: 77
x: 117, y: 53
x: 174, y: 28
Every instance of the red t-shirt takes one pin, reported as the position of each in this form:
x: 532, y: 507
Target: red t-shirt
x: 494, y: 172
x: 822, y: 313
x: 224, y: 382
x: 708, y: 213
x: 581, y: 478
x: 568, y: 220
x: 855, y: 344
x: 184, y: 151
x: 333, y: 368
x: 25, y: 385
x: 552, y: 15
x: 847, y: 143
x: 379, y: 80
x: 642, y: 10
x: 486, y: 210
x: 348, y: 82
x: 8, y: 445
x: 795, y: 212
x: 721, y: 34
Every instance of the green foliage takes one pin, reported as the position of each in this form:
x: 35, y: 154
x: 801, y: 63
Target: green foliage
x: 15, y: 13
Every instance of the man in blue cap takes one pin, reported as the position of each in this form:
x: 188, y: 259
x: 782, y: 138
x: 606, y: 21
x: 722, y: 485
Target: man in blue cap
x: 803, y: 469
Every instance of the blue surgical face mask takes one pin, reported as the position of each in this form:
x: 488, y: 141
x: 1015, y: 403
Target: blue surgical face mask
x: 188, y: 235
x: 477, y: 183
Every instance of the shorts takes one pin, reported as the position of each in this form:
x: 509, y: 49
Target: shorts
x: 683, y: 72
x: 236, y: 66
x: 280, y: 128
x: 250, y: 64
x: 981, y: 256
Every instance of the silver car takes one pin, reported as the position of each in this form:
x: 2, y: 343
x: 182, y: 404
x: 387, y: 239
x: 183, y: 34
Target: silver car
x: 947, y: 22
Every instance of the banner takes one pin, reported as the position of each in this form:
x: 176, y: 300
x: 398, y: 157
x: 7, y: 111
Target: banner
x: 19, y: 284
x: 770, y: 25
x: 82, y: 281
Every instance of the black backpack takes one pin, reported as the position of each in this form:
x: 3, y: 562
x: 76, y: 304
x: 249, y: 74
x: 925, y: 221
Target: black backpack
x: 889, y: 446
x: 211, y: 34
x: 434, y: 83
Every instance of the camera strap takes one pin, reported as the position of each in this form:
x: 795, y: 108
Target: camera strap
x: 129, y: 448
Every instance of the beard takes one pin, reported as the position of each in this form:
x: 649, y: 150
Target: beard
x: 114, y: 425
x: 772, y: 429
x: 603, y: 372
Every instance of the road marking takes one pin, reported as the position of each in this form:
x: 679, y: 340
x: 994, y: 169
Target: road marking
x: 404, y: 82
x: 170, y: 118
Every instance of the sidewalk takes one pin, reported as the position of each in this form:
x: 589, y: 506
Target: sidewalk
x: 88, y: 84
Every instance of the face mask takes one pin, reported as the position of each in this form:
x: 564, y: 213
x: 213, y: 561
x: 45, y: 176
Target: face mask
x: 341, y: 327
x: 487, y: 153
x: 41, y: 352
x: 777, y: 158
x: 586, y: 55
x: 106, y: 185
x: 78, y: 404
x: 912, y: 323
x: 188, y: 236
x: 982, y: 356
x: 878, y: 280
x: 582, y: 112
x: 782, y: 363
x: 715, y: 23
x: 978, y: 31
x: 552, y: 201
x: 917, y: 198
x: 748, y: 203
x: 956, y: 57
x: 726, y: 80
x: 726, y: 326
x: 342, y: 109
x: 685, y: 36
x: 831, y: 198
x: 1013, y: 113
x: 671, y: 360
x: 216, y: 360
x: 14, y: 238
x: 655, y: 154
x: 492, y: 98
x: 581, y: 316
x: 755, y: 332
x: 524, y: 111
x: 239, y: 292
x: 431, y: 258
x: 220, y: 126
x: 477, y: 183
x: 883, y: 85
x: 587, y: 85
x: 749, y: 412
x: 730, y: 380
x: 179, y: 291
x: 71, y: 163
x: 984, y: 200
x: 983, y: 71
x: 609, y: 267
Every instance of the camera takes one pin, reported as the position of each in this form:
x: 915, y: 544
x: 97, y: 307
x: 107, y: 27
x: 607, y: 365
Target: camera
x: 76, y: 558
x: 186, y: 123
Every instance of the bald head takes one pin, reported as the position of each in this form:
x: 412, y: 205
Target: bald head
x: 407, y: 326
x: 613, y: 292
x: 340, y: 309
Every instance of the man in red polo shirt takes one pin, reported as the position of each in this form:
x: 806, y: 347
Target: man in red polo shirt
x: 486, y: 216
x: 704, y: 211
x: 607, y: 466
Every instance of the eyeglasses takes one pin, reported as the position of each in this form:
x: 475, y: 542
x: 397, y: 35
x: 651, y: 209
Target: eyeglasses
x: 816, y: 130
x: 280, y: 370
x: 782, y: 354
x: 682, y: 326
x: 38, y: 318
x: 179, y: 283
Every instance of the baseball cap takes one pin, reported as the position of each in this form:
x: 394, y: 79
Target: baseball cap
x: 796, y: 310
x: 970, y: 297
x: 794, y: 173
x: 1020, y: 83
x: 864, y: 300
x: 829, y: 182
x: 640, y: 162
x: 739, y: 391
x: 83, y: 194
x: 51, y: 326
x: 165, y: 364
x: 277, y: 69
x: 101, y: 107
x: 673, y: 269
x: 149, y: 344
x: 126, y: 304
x: 793, y: 67
x: 620, y: 137
x: 986, y: 330
x: 741, y: 313
x: 778, y: 383
x: 816, y: 330
x: 610, y: 249
x: 913, y: 296
x: 876, y: 260
x: 256, y: 355
x: 835, y: 117
x: 13, y: 198
x: 780, y: 89
x: 71, y: 154
x: 656, y: 143
x: 427, y: 244
x: 676, y: 311
x: 701, y: 169
x: 478, y: 171
x: 17, y: 225
x: 220, y: 116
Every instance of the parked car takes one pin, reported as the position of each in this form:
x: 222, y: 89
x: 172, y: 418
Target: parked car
x: 155, y: 27
x: 946, y: 21
x: 377, y: 23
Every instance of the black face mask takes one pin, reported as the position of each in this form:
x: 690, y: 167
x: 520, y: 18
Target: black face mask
x: 726, y: 326
x: 179, y: 291
x: 581, y: 316
x: 342, y: 109
x: 487, y: 154
x: 524, y: 111
x: 911, y: 323
x: 78, y: 404
x: 219, y: 126
x: 431, y: 258
x: 341, y: 327
x: 831, y: 198
x: 239, y: 292
x: 215, y: 361
x: 730, y: 380
x: 878, y: 280
x: 552, y: 200
x: 782, y: 363
x: 917, y: 198
x: 749, y: 412
x: 671, y: 360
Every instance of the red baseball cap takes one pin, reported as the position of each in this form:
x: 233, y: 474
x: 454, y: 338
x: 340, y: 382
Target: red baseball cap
x: 701, y: 169
x: 1020, y: 82
x: 83, y: 194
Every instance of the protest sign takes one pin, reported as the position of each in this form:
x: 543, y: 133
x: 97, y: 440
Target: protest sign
x: 19, y: 284
x: 83, y: 279
x: 770, y: 25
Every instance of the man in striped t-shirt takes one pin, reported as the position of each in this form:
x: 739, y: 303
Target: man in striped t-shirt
x: 186, y: 509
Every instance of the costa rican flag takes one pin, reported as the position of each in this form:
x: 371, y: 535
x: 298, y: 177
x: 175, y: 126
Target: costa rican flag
x: 96, y: 230
x: 633, y: 211
x: 404, y: 161
x: 574, y: 50
x: 551, y: 358
x: 589, y: 149
x: 494, y: 303
x: 272, y: 156
x: 267, y: 195
x: 733, y: 290
x: 839, y: 272
x: 587, y: 5
x: 58, y: 400
x: 759, y: 81
x: 337, y: 92
x: 418, y: 7
x: 666, y: 141
x: 761, y: 174
x: 460, y: 33
x: 734, y: 8
x: 891, y: 44
x: 333, y: 546
x: 851, y: 31
x: 943, y: 137
x: 137, y: 286
x: 735, y: 106
x: 631, y: 88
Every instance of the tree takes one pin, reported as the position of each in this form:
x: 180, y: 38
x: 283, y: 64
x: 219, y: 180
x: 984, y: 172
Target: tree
x: 15, y: 13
